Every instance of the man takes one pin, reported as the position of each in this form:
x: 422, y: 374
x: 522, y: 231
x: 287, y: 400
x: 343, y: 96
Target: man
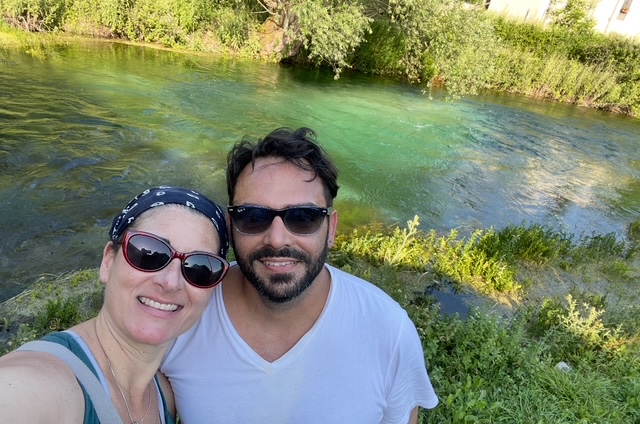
x: 288, y: 338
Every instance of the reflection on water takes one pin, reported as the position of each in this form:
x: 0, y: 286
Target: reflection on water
x: 96, y: 123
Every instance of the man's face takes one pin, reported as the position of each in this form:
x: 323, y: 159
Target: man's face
x: 278, y: 263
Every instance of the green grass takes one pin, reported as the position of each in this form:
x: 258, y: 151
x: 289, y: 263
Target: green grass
x: 498, y: 365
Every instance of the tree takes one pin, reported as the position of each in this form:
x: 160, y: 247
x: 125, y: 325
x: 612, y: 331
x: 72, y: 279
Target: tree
x: 327, y: 30
x: 573, y: 15
x: 330, y: 32
x: 445, y: 42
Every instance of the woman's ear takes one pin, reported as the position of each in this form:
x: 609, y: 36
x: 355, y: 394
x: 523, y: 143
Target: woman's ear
x: 108, y: 256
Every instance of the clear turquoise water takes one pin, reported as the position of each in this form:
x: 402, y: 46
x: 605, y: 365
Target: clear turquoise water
x: 86, y: 129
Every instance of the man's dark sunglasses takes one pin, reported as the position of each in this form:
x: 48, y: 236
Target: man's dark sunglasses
x: 300, y: 220
x: 149, y: 253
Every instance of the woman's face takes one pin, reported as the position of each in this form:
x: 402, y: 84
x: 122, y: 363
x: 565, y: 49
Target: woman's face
x: 156, y: 307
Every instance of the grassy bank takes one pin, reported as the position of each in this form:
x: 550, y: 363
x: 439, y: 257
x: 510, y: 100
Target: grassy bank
x: 539, y: 298
x: 428, y: 42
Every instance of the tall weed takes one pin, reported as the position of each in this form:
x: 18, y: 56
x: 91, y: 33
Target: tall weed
x: 402, y: 247
x: 461, y: 262
x: 536, y: 244
x: 448, y: 258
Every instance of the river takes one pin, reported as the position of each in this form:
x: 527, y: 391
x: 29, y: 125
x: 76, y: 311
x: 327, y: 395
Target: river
x: 93, y: 123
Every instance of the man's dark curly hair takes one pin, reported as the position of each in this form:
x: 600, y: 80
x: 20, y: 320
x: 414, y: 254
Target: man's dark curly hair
x: 296, y: 146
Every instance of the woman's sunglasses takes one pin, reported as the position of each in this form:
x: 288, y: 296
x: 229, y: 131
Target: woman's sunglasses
x: 149, y: 253
x: 300, y: 220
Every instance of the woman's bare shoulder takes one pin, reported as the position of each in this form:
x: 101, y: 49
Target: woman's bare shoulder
x: 37, y: 387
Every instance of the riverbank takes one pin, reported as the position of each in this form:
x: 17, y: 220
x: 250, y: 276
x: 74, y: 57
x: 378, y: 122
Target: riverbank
x: 536, y: 299
x: 429, y: 43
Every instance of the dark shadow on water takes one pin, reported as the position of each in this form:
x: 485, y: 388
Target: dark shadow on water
x: 451, y: 302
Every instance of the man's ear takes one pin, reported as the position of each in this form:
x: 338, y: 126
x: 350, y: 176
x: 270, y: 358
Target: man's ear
x: 333, y: 227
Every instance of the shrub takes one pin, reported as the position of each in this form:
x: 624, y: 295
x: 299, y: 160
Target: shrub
x: 59, y: 314
x: 35, y: 15
x: 381, y: 51
x: 444, y: 41
x: 569, y: 328
x: 231, y: 26
x: 164, y: 23
x: 573, y: 15
x: 536, y: 244
x: 329, y: 33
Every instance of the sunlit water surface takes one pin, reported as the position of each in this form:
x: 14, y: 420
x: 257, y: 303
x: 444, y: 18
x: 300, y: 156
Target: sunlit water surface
x: 84, y: 130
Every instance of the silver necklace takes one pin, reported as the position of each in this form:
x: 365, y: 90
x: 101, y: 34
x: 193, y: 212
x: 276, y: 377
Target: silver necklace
x: 126, y: 404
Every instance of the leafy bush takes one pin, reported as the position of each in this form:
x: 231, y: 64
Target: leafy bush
x: 167, y: 22
x: 231, y: 26
x: 463, y: 263
x: 35, y: 15
x: 532, y: 37
x: 577, y: 66
x: 329, y: 33
x: 445, y: 41
x: 382, y: 50
x: 571, y: 328
x: 58, y: 315
x: 616, y: 51
x: 573, y: 15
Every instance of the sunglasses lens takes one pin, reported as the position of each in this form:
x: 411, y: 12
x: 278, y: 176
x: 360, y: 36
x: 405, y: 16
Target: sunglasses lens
x: 252, y: 220
x: 146, y: 253
x: 303, y: 220
x: 299, y: 220
x: 203, y: 270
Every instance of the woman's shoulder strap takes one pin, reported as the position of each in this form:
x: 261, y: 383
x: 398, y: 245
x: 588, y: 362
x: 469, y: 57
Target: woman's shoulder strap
x: 102, y: 403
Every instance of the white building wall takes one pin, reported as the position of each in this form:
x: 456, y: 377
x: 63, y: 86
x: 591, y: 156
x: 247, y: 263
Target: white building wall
x: 609, y: 18
x: 607, y: 14
x: 528, y: 10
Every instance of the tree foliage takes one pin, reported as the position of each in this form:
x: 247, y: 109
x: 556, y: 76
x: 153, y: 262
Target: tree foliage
x: 455, y: 44
x: 445, y: 41
x: 573, y: 15
x: 35, y: 15
x: 329, y: 33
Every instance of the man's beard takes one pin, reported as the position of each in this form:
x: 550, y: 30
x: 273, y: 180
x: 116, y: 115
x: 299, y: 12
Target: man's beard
x: 282, y: 288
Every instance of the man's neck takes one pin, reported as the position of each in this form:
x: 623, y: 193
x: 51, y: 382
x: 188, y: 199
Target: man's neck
x: 272, y: 329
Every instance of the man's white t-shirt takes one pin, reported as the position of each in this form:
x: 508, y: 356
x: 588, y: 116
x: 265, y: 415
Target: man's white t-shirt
x: 361, y: 362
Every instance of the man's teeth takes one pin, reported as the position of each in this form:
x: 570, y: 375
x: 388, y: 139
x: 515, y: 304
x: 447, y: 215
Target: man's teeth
x: 158, y: 305
x: 278, y: 263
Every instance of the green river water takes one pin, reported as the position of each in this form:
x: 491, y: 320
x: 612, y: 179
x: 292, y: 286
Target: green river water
x: 93, y: 124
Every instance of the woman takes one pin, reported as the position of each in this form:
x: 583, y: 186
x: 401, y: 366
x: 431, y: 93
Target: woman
x: 150, y: 298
